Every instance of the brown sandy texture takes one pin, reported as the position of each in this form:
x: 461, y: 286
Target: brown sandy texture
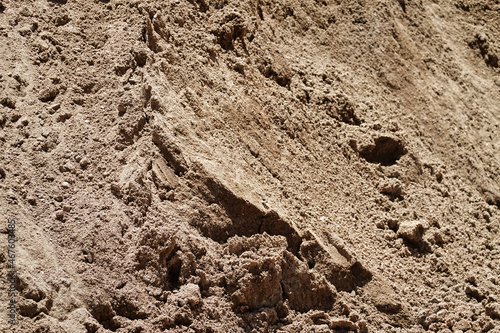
x: 251, y: 166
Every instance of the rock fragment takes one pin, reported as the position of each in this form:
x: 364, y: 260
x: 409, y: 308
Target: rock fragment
x: 163, y: 175
x: 84, y: 162
x: 412, y: 231
x: 48, y: 94
x: 60, y: 215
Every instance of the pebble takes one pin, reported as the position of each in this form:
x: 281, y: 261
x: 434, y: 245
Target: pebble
x: 67, y: 167
x: 65, y: 185
x: 412, y: 231
x: 48, y: 94
x: 84, y: 162
x: 31, y: 200
x: 24, y: 121
x: 54, y: 107
x: 60, y: 215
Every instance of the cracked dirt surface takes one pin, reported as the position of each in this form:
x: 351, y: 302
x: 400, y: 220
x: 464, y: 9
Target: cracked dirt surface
x: 251, y: 166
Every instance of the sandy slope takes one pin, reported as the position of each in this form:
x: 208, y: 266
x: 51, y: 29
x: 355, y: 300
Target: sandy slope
x: 260, y: 166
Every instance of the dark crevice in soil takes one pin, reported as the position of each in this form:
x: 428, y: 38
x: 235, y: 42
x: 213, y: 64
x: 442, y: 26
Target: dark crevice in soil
x: 386, y: 151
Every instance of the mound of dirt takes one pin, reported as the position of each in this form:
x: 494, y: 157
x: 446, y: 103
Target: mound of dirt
x: 250, y: 166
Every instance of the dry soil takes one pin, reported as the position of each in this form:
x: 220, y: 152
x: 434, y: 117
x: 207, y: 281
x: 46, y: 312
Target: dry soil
x: 251, y: 166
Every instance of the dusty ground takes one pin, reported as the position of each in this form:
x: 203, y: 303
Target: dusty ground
x: 251, y: 166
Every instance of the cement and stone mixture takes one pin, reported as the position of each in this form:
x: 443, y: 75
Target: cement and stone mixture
x: 250, y: 166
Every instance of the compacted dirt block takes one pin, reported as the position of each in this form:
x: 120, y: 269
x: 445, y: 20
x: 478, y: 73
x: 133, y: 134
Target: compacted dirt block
x: 249, y: 166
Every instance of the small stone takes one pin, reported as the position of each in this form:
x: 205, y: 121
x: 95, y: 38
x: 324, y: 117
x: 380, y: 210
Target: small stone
x: 486, y: 216
x: 412, y: 231
x: 84, y: 163
x: 441, y: 315
x: 65, y: 185
x: 66, y: 208
x: 31, y: 200
x: 383, y: 297
x: 24, y: 121
x: 61, y: 20
x: 471, y: 278
x: 439, y: 177
x: 163, y: 175
x: 60, y: 215
x: 120, y: 146
x: 64, y: 116
x: 437, y: 237
x: 115, y: 187
x: 122, y: 108
x: 389, y: 235
x: 54, y: 107
x: 48, y: 94
x: 67, y: 167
